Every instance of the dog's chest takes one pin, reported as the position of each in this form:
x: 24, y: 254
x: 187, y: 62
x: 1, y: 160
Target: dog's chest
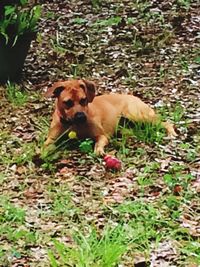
x: 83, y: 131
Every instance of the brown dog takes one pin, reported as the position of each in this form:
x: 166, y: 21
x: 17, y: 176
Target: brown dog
x: 77, y: 109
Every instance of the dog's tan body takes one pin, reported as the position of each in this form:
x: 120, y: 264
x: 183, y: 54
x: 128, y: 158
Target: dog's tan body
x: 102, y: 113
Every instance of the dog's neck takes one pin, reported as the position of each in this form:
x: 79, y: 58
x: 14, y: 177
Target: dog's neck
x: 59, y: 114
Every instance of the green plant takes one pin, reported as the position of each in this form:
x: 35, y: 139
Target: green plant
x: 62, y: 202
x: 191, y: 151
x: 148, y: 132
x: 79, y: 21
x: 184, y: 3
x: 113, y: 21
x: 122, y: 142
x: 192, y: 251
x: 15, y: 95
x: 86, y: 146
x: 57, y: 47
x: 10, y: 213
x: 184, y: 63
x: 197, y: 59
x: 49, y: 156
x: 96, y: 3
x: 17, y: 152
x: 53, y: 152
x: 103, y: 250
x: 18, y: 20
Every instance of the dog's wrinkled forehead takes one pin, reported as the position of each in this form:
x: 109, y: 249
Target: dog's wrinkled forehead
x: 75, y: 89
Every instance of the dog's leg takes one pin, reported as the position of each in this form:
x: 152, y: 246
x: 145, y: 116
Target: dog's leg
x: 169, y: 128
x: 56, y: 129
x: 54, y: 132
x: 101, y: 142
x: 138, y: 111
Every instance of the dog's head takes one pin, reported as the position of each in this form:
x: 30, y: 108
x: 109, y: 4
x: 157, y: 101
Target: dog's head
x: 73, y: 97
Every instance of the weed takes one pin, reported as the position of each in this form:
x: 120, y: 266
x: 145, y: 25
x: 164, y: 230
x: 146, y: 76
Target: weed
x: 79, y: 21
x: 191, y: 250
x: 190, y: 151
x: 62, y: 202
x: 184, y: 3
x: 18, y: 20
x: 176, y: 113
x: 2, y: 178
x: 197, y: 59
x: 77, y: 70
x: 184, y: 64
x: 145, y: 132
x: 140, y: 152
x: 92, y: 250
x: 42, y: 127
x: 86, y: 146
x: 53, y: 152
x: 172, y: 202
x: 148, y: 132
x: 96, y: 3
x: 50, y: 15
x: 57, y: 47
x: 154, y: 17
x: 10, y: 213
x: 142, y: 222
x: 16, y: 152
x: 123, y: 141
x: 144, y: 181
x: 141, y: 6
x: 113, y: 21
x: 15, y: 95
x: 131, y: 20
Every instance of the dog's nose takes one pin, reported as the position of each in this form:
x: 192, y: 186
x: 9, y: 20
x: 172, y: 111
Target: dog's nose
x: 80, y: 117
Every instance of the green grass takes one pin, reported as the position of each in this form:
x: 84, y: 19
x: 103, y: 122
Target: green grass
x: 62, y: 203
x: 10, y: 213
x: 13, y: 231
x: 61, y: 206
x: 140, y: 226
x: 18, y: 152
x: 16, y: 95
x: 90, y: 249
x: 127, y: 132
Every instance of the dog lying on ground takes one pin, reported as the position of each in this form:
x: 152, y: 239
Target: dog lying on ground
x: 77, y: 109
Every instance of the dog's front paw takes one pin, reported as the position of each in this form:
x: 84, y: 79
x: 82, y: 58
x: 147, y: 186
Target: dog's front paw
x: 171, y: 133
x: 98, y: 150
x: 48, y: 142
x: 170, y: 129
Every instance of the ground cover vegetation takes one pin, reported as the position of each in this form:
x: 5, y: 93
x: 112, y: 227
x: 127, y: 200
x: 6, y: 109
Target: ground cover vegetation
x: 63, y: 208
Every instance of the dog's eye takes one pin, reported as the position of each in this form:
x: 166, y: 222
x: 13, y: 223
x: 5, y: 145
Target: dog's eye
x: 83, y: 102
x: 82, y: 86
x: 69, y: 103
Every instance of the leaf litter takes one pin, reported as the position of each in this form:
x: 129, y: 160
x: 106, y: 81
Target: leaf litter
x: 146, y: 49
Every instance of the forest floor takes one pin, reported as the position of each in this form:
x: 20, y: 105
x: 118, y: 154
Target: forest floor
x: 66, y: 208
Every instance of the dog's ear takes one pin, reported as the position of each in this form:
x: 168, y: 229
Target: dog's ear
x: 55, y: 90
x: 90, y: 90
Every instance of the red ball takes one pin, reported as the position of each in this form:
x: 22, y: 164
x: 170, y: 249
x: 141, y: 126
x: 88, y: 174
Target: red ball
x: 112, y: 162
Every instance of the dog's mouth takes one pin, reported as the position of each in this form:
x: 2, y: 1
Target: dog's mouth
x: 79, y: 118
x: 66, y: 121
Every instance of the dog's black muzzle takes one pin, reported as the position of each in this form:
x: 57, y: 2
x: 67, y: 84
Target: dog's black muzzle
x: 66, y: 122
x: 80, y: 117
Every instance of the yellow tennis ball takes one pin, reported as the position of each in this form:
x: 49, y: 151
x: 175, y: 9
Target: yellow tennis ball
x: 72, y: 135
